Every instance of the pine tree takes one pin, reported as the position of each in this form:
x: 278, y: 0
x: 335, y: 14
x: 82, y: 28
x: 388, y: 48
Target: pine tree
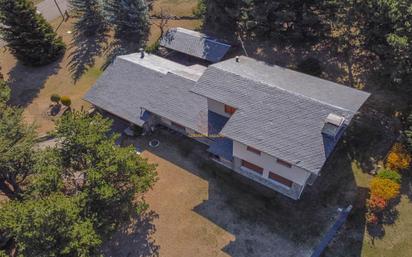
x: 131, y: 22
x: 90, y: 20
x: 130, y: 19
x: 30, y: 38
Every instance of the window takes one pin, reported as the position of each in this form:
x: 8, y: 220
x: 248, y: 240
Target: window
x: 284, y: 163
x: 280, y: 179
x: 253, y: 150
x: 178, y: 126
x: 252, y: 167
x: 229, y: 109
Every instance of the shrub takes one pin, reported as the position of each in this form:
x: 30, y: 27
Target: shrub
x: 200, y: 10
x: 398, y: 158
x: 55, y: 98
x: 66, y: 101
x: 311, y: 66
x: 384, y: 188
x: 371, y: 218
x: 151, y: 49
x: 376, y: 203
x: 390, y: 174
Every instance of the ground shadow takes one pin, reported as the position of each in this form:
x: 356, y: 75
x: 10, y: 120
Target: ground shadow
x: 263, y: 222
x: 406, y: 187
x: 134, y: 239
x: 84, y: 51
x: 26, y: 82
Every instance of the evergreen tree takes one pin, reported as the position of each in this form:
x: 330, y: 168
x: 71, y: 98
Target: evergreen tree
x: 131, y: 22
x: 130, y: 19
x: 90, y: 35
x: 90, y: 19
x: 30, y: 38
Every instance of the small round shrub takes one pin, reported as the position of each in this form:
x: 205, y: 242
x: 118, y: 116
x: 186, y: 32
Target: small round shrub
x: 55, y: 98
x: 390, y: 174
x: 66, y: 101
x: 311, y: 66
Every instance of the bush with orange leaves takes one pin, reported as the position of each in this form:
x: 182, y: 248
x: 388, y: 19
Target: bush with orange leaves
x: 384, y: 188
x: 398, y: 158
x: 376, y: 203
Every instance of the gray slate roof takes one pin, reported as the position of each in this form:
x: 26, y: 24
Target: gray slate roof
x: 195, y: 44
x: 153, y: 83
x: 280, y: 112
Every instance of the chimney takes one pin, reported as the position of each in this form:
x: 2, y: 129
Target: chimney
x: 141, y: 50
x: 237, y: 58
x: 333, y: 125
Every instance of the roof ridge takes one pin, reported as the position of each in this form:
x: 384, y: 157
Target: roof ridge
x: 282, y: 89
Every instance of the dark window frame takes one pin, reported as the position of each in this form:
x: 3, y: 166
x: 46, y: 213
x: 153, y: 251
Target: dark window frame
x: 279, y: 179
x: 252, y: 167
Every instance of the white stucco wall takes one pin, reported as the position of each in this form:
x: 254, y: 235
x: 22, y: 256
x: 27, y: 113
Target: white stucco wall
x: 268, y: 163
x: 217, y: 107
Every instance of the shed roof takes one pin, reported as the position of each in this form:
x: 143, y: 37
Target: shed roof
x: 195, y: 44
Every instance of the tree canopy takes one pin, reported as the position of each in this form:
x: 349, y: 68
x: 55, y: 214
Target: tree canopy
x: 28, y: 35
x: 78, y: 192
x: 388, y: 32
x: 382, y: 27
x: 16, y: 145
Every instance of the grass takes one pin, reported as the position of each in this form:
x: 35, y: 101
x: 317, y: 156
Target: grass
x: 176, y: 7
x: 397, y: 239
x: 32, y: 87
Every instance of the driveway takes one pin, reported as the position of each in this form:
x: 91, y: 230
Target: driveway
x: 49, y: 10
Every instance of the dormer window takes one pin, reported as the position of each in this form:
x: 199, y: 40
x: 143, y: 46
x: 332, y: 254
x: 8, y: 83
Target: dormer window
x: 229, y: 109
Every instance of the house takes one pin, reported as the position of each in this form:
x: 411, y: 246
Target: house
x: 272, y: 125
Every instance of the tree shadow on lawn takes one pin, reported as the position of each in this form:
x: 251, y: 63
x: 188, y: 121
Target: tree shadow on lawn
x: 135, y: 239
x: 26, y: 82
x: 85, y: 50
